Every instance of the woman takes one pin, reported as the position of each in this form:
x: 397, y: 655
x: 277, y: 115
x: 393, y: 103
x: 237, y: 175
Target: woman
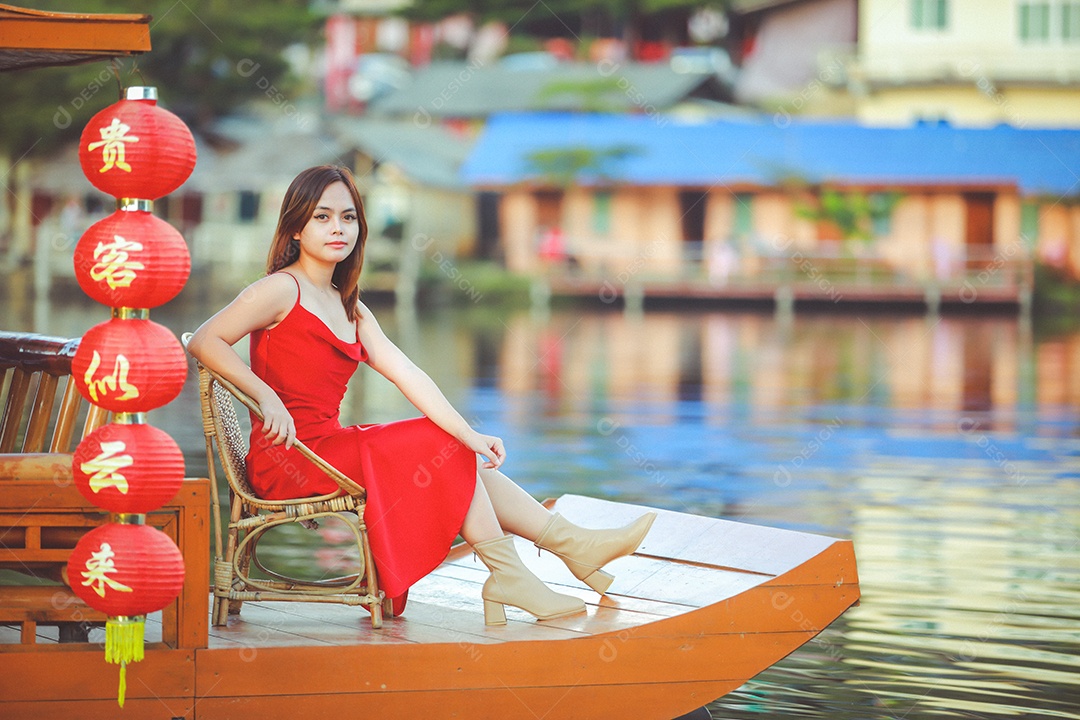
x: 309, y: 332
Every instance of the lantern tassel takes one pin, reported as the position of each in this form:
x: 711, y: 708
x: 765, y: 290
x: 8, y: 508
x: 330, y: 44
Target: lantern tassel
x: 123, y: 645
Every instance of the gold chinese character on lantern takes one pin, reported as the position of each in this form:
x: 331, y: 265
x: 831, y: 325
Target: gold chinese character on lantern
x: 114, y: 265
x: 113, y: 138
x: 109, y: 383
x: 104, y: 470
x: 98, y: 568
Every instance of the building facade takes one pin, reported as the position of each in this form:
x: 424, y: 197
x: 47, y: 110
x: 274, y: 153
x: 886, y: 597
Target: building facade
x: 975, y: 63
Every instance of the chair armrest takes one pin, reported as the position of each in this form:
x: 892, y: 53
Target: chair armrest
x: 36, y: 466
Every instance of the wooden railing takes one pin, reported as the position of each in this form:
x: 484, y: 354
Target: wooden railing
x: 43, y: 515
x: 964, y: 275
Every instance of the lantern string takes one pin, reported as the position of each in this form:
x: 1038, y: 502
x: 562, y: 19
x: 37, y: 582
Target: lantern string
x: 114, y: 65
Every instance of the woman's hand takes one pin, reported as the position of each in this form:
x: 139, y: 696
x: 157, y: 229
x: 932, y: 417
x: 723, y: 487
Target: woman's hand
x: 489, y: 446
x: 278, y: 425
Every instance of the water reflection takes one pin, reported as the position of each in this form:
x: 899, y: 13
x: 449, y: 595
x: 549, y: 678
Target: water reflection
x: 947, y: 448
x: 753, y: 361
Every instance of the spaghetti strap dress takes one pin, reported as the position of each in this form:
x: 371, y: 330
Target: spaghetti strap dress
x: 419, y: 478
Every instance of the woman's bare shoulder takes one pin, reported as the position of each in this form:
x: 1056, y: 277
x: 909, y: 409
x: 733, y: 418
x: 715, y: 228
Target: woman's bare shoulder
x: 366, y: 319
x: 279, y: 289
x: 261, y: 304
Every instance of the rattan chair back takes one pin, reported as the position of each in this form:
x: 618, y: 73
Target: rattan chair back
x: 251, y: 516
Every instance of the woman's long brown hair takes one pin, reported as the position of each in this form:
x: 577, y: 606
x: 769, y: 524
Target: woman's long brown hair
x: 297, y: 208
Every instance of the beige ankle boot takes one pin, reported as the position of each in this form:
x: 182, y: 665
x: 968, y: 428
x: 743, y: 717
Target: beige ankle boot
x: 511, y: 583
x: 586, y: 551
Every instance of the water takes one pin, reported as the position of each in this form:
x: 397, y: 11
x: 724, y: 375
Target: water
x: 947, y: 449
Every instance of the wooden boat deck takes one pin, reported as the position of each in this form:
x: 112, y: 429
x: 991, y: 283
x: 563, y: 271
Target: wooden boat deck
x: 704, y: 605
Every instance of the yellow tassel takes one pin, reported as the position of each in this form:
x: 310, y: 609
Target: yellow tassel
x: 122, y: 690
x: 123, y: 645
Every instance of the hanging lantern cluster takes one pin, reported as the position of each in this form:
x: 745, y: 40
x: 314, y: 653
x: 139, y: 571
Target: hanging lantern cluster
x: 131, y: 261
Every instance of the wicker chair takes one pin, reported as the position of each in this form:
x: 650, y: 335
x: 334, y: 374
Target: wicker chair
x: 251, y: 517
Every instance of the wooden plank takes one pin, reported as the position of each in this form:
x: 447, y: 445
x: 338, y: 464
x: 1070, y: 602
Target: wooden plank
x: 32, y: 538
x: 13, y: 409
x: 648, y: 579
x: 598, y: 618
x: 36, y: 353
x: 424, y: 622
x: 44, y: 602
x: 96, y: 416
x: 61, y: 526
x: 66, y: 418
x: 78, y: 672
x: 160, y: 708
x: 54, y: 467
x: 256, y: 636
x: 707, y: 541
x: 466, y: 584
x: 28, y: 557
x: 192, y: 504
x: 37, y: 426
x: 833, y: 566
x: 617, y: 659
x: 20, y: 494
x: 660, y: 700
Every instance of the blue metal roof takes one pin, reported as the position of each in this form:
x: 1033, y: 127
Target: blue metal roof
x: 768, y: 151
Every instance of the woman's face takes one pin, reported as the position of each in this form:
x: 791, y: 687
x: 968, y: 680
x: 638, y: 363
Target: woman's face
x: 333, y: 228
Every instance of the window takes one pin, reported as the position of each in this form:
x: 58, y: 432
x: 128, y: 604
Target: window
x: 1029, y: 223
x: 1034, y: 20
x: 249, y: 205
x: 744, y: 219
x: 1070, y: 21
x: 1042, y: 21
x: 929, y: 14
x: 601, y: 219
x: 881, y: 212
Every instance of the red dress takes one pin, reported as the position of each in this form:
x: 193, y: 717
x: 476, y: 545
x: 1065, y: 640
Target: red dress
x: 419, y: 479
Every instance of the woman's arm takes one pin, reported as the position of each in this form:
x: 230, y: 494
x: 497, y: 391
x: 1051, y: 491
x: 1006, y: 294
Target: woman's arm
x: 260, y: 305
x: 389, y: 361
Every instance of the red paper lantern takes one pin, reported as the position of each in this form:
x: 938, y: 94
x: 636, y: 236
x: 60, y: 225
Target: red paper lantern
x: 128, y: 468
x: 126, y: 569
x: 132, y: 259
x: 135, y: 149
x: 129, y: 366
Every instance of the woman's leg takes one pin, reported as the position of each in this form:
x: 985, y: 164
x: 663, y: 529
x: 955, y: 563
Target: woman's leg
x: 510, y: 582
x: 583, y: 550
x: 517, y: 511
x: 480, y: 523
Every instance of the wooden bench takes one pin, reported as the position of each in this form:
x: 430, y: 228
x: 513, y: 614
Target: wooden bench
x: 43, y: 515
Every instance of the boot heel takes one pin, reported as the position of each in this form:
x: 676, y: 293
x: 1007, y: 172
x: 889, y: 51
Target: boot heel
x: 494, y: 613
x: 599, y: 581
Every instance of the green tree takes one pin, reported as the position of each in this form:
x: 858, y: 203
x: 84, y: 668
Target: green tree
x: 853, y: 213
x: 202, y: 61
x: 207, y: 58
x: 564, y: 166
x: 562, y: 17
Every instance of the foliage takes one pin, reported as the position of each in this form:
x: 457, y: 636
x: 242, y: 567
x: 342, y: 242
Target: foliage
x: 482, y: 280
x: 600, y: 94
x: 854, y: 213
x: 563, y: 166
x: 207, y: 58
x: 556, y: 17
x: 1056, y: 299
